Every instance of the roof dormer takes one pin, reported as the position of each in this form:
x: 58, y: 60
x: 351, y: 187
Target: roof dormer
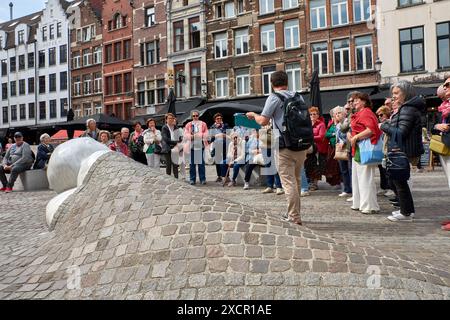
x: 2, y: 39
x: 21, y: 33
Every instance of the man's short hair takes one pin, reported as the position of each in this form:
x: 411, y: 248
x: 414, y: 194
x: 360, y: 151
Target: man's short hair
x: 218, y: 114
x: 169, y: 114
x: 279, y: 79
x: 124, y: 128
x: 43, y: 137
x: 89, y: 121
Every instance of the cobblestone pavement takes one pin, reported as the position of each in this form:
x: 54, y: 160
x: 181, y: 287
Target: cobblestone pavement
x: 136, y: 234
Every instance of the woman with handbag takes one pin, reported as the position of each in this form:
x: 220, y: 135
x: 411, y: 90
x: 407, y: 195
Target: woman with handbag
x: 169, y: 142
x: 341, y: 154
x: 315, y: 163
x: 405, y: 135
x: 332, y: 171
x: 136, y: 144
x: 152, y: 147
x: 364, y: 125
x: 384, y: 114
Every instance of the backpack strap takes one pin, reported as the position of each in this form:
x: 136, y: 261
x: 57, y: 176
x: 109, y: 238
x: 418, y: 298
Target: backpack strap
x: 280, y: 96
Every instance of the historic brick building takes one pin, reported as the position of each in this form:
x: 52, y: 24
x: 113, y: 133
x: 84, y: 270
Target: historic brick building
x: 342, y: 43
x: 150, y: 55
x: 117, y: 16
x: 86, y: 53
x: 249, y: 40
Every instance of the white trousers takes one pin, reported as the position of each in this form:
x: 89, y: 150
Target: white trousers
x: 364, y: 187
x: 153, y: 160
x: 445, y: 163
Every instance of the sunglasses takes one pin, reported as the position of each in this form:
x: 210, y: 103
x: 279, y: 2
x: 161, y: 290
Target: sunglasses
x: 218, y: 118
x: 350, y: 101
x: 446, y: 85
x: 195, y: 116
x: 380, y: 115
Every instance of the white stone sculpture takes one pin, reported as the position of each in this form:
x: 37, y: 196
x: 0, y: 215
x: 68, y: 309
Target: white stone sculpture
x: 87, y: 163
x: 54, y: 204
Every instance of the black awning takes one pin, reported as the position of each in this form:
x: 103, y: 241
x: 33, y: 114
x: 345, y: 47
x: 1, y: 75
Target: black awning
x: 423, y: 91
x: 103, y: 122
x: 3, y: 133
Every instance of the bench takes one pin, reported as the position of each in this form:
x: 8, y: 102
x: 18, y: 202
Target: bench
x: 256, y: 178
x: 33, y: 180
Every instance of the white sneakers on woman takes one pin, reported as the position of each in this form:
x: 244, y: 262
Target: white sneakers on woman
x: 397, y: 216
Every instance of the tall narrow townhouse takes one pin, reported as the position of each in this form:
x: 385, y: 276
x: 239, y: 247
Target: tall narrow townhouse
x: 18, y: 58
x: 118, y: 93
x: 186, y: 48
x: 52, y: 76
x: 87, y: 59
x: 150, y: 56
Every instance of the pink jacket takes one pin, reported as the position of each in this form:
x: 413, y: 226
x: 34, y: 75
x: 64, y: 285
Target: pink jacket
x: 203, y: 135
x: 319, y: 131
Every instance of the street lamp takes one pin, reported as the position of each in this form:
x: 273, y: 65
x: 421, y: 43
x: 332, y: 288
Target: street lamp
x: 378, y: 64
x: 204, y: 87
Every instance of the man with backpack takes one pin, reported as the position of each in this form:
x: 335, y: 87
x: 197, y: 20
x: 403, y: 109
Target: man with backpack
x: 292, y: 126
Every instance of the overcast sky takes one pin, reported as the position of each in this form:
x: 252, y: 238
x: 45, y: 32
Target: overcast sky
x: 21, y: 8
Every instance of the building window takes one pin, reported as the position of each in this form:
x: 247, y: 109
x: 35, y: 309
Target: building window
x: 289, y: 4
x: 4, y: 91
x: 98, y: 82
x: 51, y: 56
x: 268, y: 38
x: 12, y: 64
x: 21, y: 37
x: 443, y: 40
x: 160, y: 91
x: 42, y: 110
x: 97, y: 55
x: 52, y: 82
x: 361, y: 10
x: 86, y: 34
x: 196, y: 89
x: 87, y: 84
x: 78, y: 112
x: 179, y: 80
x: 291, y: 34
x: 42, y: 59
x: 341, y: 53
x: 194, y: 32
x: 31, y: 85
x: 31, y: 60
x: 87, y: 109
x: 221, y: 84
x: 266, y: 72
x: 63, y: 80
x: 63, y: 106
x: 364, y: 57
x: 22, y: 62
x: 13, y: 88
x: 220, y: 45
x: 266, y: 6
x: 31, y: 112
x: 76, y: 86
x: 52, y: 32
x: 127, y: 82
x: 242, y: 82
x: 229, y: 10
x: 5, y: 115
x: 98, y: 107
x: 240, y: 6
x: 22, y: 87
x: 339, y: 14
x: 294, y: 76
x: 118, y: 83
x: 405, y: 3
x: 218, y: 11
x: 52, y: 104
x: 150, y: 92
x: 58, y: 29
x: 412, y: 50
x: 318, y: 14
x: 117, y: 51
x: 241, y: 41
x: 76, y: 60
x: 118, y: 21
x: 127, y: 49
x: 14, y: 113
x: 86, y: 57
x: 320, y: 57
x: 4, y: 67
x: 63, y: 54
x: 178, y: 28
x: 108, y: 54
x: 149, y: 16
x: 109, y: 85
x: 150, y: 53
x: 44, y: 33
x: 141, y: 94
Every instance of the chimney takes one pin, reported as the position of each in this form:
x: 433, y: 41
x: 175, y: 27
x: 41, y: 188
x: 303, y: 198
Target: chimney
x: 11, y: 10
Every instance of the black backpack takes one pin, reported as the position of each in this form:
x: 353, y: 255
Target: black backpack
x: 297, y: 133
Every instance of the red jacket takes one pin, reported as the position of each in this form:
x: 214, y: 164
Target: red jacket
x: 321, y: 142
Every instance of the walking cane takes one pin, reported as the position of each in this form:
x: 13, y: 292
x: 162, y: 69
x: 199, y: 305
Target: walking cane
x: 226, y: 175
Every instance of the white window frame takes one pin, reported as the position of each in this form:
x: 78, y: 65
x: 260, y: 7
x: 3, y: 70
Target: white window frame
x: 240, y: 7
x: 98, y: 108
x: 265, y: 35
x: 222, y: 43
x: 293, y: 71
x: 316, y: 12
x: 76, y: 61
x: 86, y: 59
x: 241, y: 39
x: 340, y: 5
x: 21, y: 37
x: 77, y: 113
x: 150, y: 19
x: 290, y: 4
x: 320, y: 53
x: 265, y: 76
x: 87, y: 86
x: 291, y: 30
x: 240, y: 82
x: 267, y: 5
x: 97, y: 55
x: 86, y: 34
x: 363, y: 48
x: 77, y: 88
x: 226, y: 7
x: 98, y: 85
x: 341, y: 52
x: 362, y: 11
x: 222, y: 83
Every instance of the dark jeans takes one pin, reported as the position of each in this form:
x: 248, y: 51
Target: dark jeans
x: 236, y: 168
x: 404, y: 196
x: 14, y: 173
x: 274, y: 179
x: 346, y: 176
x: 197, y: 160
x: 170, y: 166
x: 248, y: 171
x: 384, y: 183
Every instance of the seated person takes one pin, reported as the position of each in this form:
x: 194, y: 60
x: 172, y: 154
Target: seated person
x: 18, y: 158
x: 44, y: 152
x: 235, y: 157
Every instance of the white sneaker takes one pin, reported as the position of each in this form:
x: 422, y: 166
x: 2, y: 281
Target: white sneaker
x: 304, y: 194
x: 389, y: 193
x: 280, y: 191
x: 401, y: 217
x: 349, y: 199
x: 343, y: 194
x: 246, y: 186
x: 267, y: 190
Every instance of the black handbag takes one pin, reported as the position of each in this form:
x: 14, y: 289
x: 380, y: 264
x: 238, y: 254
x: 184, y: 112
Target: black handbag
x: 397, y: 162
x: 157, y: 149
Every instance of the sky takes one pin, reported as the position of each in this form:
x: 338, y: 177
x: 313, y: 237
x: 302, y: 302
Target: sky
x: 21, y: 8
